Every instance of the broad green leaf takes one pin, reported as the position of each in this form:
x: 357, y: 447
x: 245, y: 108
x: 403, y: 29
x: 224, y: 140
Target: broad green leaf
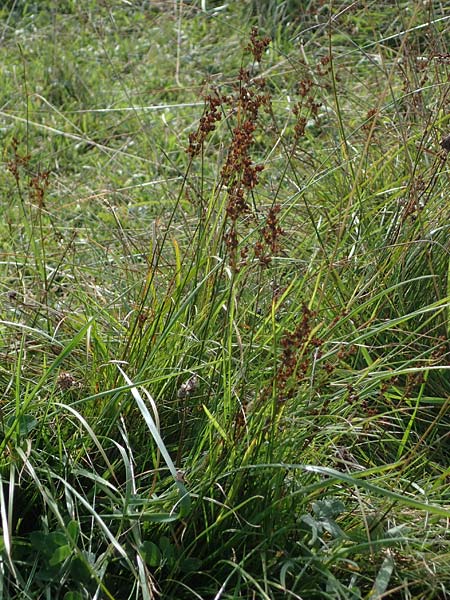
x: 56, y: 538
x: 39, y: 542
x: 328, y: 508
x: 73, y: 529
x: 25, y: 423
x: 73, y: 596
x: 79, y: 569
x: 191, y: 565
x: 60, y: 555
x: 167, y: 549
x: 151, y: 554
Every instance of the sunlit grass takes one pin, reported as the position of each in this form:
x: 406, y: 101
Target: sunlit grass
x: 203, y: 398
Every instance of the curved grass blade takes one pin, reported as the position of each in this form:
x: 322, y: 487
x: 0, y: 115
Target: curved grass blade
x: 185, y: 502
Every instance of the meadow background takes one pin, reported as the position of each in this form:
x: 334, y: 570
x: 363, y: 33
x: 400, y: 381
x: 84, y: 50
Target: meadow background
x: 224, y: 315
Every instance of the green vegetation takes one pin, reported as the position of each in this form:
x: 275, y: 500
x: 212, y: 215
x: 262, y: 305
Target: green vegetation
x: 225, y: 300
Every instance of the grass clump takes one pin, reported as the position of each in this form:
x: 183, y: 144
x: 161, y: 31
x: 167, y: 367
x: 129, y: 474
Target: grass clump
x: 224, y: 334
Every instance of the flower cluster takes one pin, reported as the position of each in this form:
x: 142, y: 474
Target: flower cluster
x: 297, y: 347
x: 270, y: 245
x: 257, y: 45
x: 211, y: 116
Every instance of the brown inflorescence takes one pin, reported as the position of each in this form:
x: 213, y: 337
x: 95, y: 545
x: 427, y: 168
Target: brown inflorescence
x: 237, y: 204
x: 257, y: 45
x: 371, y: 115
x: 239, y: 173
x: 269, y: 245
x: 295, y: 358
x: 239, y: 164
x: 38, y: 187
x: 300, y: 124
x: 211, y: 116
x: 324, y: 66
x: 307, y: 106
x: 272, y: 231
x: 18, y: 161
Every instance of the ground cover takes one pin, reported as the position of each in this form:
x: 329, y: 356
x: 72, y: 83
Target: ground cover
x: 224, y: 269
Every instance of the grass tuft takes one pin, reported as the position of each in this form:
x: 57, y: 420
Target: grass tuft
x: 225, y: 300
